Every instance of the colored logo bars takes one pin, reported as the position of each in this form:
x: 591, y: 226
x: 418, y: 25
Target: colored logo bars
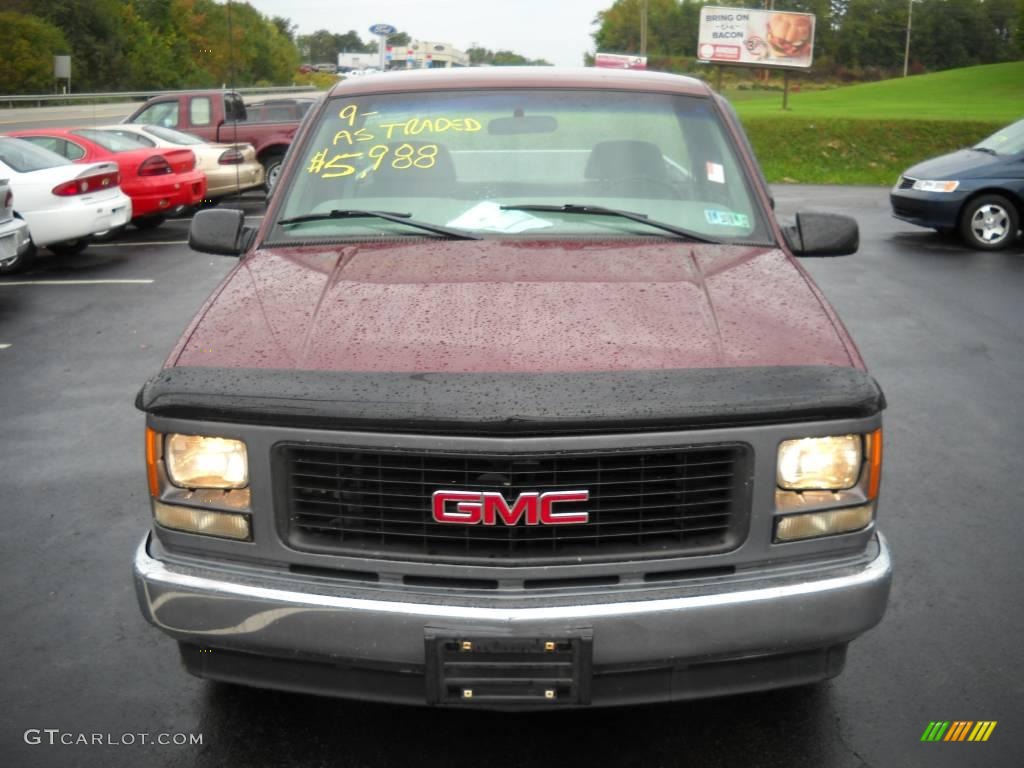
x: 958, y: 730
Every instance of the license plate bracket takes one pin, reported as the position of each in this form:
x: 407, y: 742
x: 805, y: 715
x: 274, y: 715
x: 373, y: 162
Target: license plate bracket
x: 467, y: 668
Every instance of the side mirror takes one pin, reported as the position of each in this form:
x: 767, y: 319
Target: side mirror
x: 220, y: 232
x: 822, y: 234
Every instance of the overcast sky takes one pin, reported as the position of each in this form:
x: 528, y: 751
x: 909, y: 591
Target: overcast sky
x: 556, y: 30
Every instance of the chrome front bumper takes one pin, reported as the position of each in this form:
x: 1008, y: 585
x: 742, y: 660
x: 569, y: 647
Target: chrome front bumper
x: 278, y: 614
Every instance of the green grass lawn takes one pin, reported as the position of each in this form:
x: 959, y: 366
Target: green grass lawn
x: 869, y: 133
x: 990, y: 93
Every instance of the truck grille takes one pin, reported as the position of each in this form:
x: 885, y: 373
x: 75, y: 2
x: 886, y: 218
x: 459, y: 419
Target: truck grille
x: 643, y: 503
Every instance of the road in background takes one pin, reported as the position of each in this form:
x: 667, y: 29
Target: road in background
x: 84, y: 115
x: 940, y: 327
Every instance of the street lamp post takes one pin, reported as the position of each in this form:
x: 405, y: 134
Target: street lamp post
x: 906, y: 50
x: 643, y: 27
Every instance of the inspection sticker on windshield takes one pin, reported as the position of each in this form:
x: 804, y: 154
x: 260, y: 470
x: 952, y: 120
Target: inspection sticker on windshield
x: 716, y: 172
x: 726, y: 218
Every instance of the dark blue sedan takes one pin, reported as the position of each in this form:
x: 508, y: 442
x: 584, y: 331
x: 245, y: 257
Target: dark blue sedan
x: 978, y: 191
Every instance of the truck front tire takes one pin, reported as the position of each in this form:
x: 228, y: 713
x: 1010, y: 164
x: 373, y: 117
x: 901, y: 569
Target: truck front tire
x: 272, y: 169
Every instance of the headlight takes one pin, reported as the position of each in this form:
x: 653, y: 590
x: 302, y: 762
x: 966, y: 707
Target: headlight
x: 925, y: 185
x: 194, y: 461
x: 820, y: 463
x: 206, y: 522
x: 827, y: 523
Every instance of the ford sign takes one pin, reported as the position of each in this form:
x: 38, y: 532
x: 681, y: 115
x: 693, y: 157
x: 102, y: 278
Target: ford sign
x: 382, y: 30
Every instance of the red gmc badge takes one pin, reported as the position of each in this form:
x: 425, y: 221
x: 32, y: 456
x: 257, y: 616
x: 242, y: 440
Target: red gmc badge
x: 491, y: 508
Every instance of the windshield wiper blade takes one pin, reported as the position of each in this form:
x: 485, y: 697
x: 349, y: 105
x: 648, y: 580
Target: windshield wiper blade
x: 599, y: 210
x: 399, y: 218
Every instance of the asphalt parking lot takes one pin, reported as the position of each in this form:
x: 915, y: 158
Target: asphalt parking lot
x: 940, y: 327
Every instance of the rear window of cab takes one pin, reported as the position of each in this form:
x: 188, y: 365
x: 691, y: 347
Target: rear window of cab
x: 455, y: 158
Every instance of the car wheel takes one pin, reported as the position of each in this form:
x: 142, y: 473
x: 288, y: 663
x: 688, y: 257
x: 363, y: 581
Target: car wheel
x: 19, y: 262
x: 149, y: 222
x: 271, y: 170
x: 69, y: 248
x: 989, y: 222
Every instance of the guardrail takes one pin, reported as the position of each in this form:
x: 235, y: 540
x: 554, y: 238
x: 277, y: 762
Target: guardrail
x: 39, y: 98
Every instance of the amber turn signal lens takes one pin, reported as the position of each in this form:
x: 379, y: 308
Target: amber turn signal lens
x: 152, y: 457
x: 874, y: 446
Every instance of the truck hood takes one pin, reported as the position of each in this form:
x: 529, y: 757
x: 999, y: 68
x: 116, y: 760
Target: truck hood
x: 540, y: 306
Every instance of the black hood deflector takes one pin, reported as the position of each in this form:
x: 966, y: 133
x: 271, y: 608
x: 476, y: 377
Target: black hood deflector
x: 512, y: 403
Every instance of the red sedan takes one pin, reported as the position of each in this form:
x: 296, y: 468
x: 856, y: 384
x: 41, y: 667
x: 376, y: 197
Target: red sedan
x: 159, y: 181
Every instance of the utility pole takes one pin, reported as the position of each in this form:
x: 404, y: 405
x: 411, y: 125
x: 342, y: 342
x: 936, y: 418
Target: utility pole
x: 906, y: 51
x: 643, y: 27
x: 765, y: 74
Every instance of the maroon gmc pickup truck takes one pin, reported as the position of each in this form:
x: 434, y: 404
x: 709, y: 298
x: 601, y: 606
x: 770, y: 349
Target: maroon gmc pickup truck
x: 220, y: 117
x: 517, y: 398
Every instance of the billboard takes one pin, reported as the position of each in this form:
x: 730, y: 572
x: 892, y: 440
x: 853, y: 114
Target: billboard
x: 758, y: 38
x: 619, y: 61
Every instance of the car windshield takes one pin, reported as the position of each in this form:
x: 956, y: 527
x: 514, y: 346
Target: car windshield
x: 173, y: 136
x: 24, y: 157
x: 463, y: 159
x: 1008, y: 141
x: 113, y: 142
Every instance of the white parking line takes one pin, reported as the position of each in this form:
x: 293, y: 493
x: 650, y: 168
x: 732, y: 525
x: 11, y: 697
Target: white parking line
x: 131, y: 245
x: 6, y: 346
x: 77, y: 282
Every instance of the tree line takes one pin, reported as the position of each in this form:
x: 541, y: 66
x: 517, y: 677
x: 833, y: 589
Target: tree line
x: 125, y: 45
x: 854, y: 38
x: 120, y: 45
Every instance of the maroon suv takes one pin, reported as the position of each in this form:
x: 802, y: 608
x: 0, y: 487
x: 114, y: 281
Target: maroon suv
x: 517, y: 398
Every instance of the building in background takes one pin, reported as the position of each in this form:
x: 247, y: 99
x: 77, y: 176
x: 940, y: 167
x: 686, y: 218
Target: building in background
x: 424, y: 54
x: 350, y: 61
x: 418, y: 54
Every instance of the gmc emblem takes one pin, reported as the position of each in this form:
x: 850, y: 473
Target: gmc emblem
x: 490, y: 507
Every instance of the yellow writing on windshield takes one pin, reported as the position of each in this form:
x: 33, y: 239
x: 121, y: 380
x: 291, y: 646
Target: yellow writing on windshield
x: 351, y: 137
x: 400, y: 158
x: 350, y: 113
x: 414, y: 126
x: 417, y: 125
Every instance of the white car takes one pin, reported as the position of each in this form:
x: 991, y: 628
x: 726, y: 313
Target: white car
x: 229, y: 168
x: 14, y: 239
x: 63, y: 203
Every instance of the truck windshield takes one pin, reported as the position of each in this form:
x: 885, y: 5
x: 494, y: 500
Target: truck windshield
x: 491, y: 162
